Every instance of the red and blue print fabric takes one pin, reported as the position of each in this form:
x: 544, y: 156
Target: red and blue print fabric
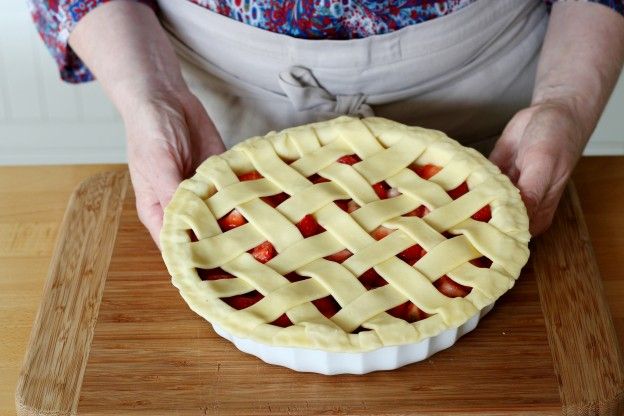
x: 309, y: 19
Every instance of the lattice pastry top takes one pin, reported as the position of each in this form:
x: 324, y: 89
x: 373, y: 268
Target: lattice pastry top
x: 344, y: 235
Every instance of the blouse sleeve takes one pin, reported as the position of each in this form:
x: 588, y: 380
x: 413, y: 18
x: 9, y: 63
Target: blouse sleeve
x: 616, y: 5
x: 55, y: 20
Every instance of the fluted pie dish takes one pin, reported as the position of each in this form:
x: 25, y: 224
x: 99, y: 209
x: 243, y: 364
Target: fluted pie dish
x: 345, y: 246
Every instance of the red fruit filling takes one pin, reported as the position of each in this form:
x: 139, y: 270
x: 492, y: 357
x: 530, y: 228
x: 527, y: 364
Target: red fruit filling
x: 349, y: 159
x: 309, y: 227
x: 316, y: 178
x: 419, y: 212
x: 452, y: 289
x: 275, y: 200
x: 250, y: 176
x: 263, y: 252
x: 482, y: 262
x: 380, y: 232
x: 231, y: 220
x: 248, y: 299
x: 327, y: 306
x: 427, y: 171
x: 213, y: 274
x: 408, y: 312
x: 484, y: 214
x: 294, y: 277
x: 340, y: 256
x: 192, y: 236
x: 381, y: 189
x: 371, y: 279
x: 283, y: 321
x: 243, y: 301
x: 459, y: 191
x: 412, y: 254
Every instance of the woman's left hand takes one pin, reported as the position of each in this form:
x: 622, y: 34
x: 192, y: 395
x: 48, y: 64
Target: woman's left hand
x: 538, y: 151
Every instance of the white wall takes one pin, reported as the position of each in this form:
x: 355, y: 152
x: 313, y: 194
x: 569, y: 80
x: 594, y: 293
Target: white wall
x: 46, y: 121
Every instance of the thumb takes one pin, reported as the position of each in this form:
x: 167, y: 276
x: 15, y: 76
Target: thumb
x: 534, y: 183
x: 164, y: 174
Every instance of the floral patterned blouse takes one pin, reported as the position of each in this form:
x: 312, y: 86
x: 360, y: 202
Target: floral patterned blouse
x: 310, y: 19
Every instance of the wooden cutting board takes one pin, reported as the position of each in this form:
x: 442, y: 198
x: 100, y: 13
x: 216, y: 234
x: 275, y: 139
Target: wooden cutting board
x: 113, y: 337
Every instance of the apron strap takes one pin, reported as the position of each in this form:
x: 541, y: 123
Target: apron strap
x: 305, y: 93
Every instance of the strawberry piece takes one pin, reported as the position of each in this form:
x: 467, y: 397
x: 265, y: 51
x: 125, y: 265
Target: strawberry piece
x: 232, y: 220
x: 340, y: 256
x: 349, y: 159
x: 213, y: 274
x: 459, y: 191
x: 243, y: 301
x: 482, y: 262
x: 419, y: 212
x: 426, y: 171
x: 192, y: 236
x: 371, y: 279
x: 352, y: 206
x: 380, y: 232
x: 282, y: 321
x: 327, y: 306
x: 381, y: 189
x: 275, y: 200
x: 316, y: 178
x: 263, y: 252
x: 250, y: 176
x: 308, y: 226
x: 412, y: 254
x: 451, y: 288
x: 342, y: 204
x: 484, y: 214
x: 294, y: 277
x: 408, y: 312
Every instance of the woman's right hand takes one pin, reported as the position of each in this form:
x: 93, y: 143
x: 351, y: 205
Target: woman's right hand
x: 167, y: 128
x: 169, y: 134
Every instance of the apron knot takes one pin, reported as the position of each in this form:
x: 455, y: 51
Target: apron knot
x: 305, y: 93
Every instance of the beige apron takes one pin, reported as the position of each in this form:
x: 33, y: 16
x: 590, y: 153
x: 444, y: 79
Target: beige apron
x: 466, y: 73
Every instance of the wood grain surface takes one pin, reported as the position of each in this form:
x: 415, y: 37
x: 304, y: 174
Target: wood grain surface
x: 601, y: 187
x: 51, y: 376
x: 151, y: 354
x: 586, y: 355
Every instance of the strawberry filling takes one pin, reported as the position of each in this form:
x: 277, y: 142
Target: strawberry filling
x: 412, y: 254
x: 370, y: 279
x: 349, y: 159
x: 452, y: 289
x: 213, y: 274
x: 192, y: 236
x: 340, y: 256
x: 263, y: 252
x: 309, y: 227
x: 327, y: 306
x: 231, y: 220
x: 408, y: 312
x: 429, y: 170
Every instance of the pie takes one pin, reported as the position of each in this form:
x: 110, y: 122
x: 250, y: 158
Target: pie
x: 346, y: 235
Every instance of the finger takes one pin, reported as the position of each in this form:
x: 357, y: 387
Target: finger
x: 534, y: 183
x: 151, y: 215
x: 163, y: 176
x: 505, y: 150
x: 503, y: 156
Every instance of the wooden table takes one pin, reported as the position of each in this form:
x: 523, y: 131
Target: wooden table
x: 33, y: 199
